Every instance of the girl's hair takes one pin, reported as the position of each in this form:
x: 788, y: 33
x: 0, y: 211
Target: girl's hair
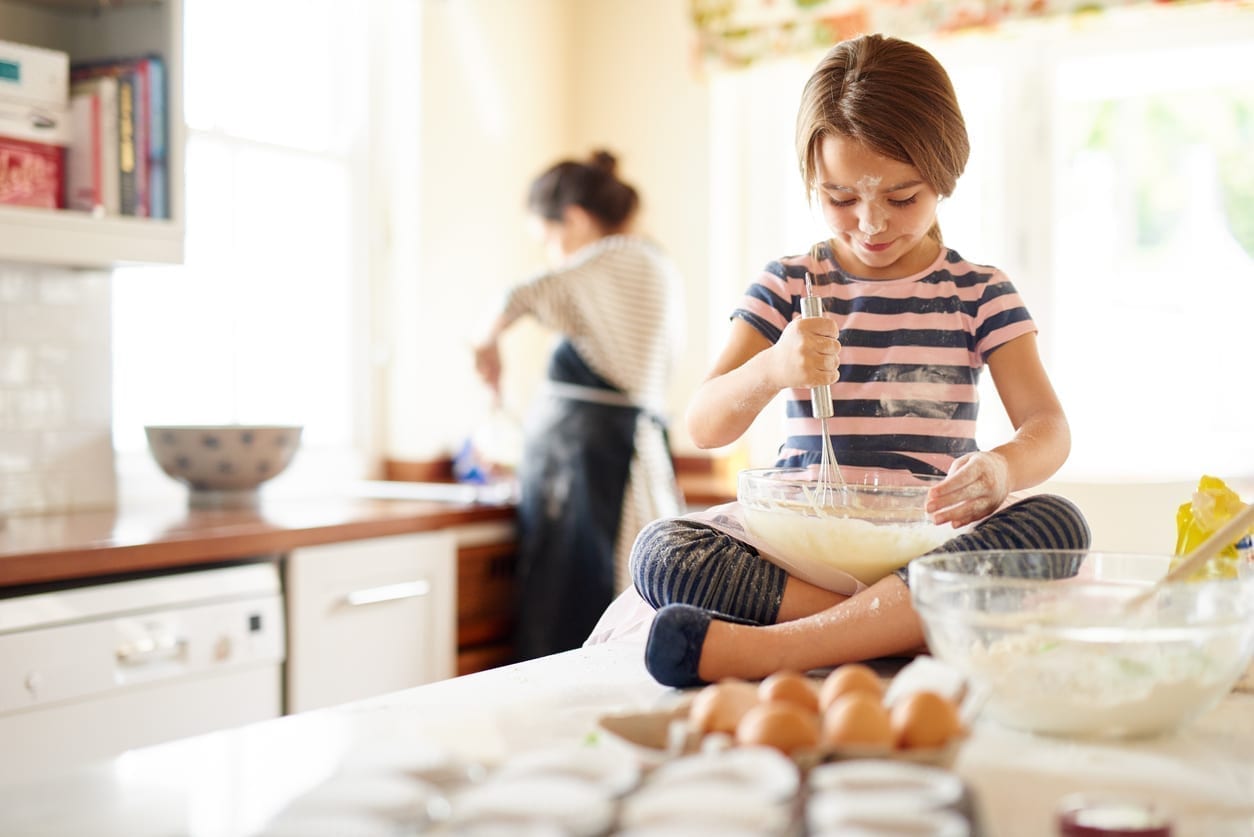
x: 892, y: 97
x: 591, y: 185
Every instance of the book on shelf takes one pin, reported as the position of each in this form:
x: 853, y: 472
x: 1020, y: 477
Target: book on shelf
x: 142, y: 130
x: 31, y: 173
x: 92, y: 162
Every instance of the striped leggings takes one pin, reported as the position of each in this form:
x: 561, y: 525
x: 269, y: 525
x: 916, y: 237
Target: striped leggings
x: 682, y: 561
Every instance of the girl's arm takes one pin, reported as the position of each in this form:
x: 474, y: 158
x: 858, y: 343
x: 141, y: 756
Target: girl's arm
x: 978, y: 483
x: 750, y: 371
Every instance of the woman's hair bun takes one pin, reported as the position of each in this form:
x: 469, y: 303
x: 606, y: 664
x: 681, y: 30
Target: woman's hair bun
x: 604, y: 160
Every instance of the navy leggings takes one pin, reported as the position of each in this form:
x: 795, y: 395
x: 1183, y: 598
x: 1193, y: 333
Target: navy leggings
x: 682, y: 561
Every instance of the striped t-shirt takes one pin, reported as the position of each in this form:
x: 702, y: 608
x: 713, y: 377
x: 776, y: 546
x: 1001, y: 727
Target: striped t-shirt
x: 620, y: 302
x: 910, y: 360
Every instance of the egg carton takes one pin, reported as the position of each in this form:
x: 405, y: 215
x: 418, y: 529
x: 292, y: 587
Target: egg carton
x: 661, y: 736
x: 667, y: 733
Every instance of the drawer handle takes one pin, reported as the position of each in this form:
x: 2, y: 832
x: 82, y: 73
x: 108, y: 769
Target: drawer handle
x: 388, y: 593
x: 151, y: 649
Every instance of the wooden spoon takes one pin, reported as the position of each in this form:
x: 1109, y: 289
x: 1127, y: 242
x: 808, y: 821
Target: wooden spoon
x: 1224, y: 536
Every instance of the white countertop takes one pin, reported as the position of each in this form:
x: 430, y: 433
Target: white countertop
x: 232, y: 782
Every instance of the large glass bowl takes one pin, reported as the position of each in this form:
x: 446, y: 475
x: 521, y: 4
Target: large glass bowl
x: 1051, y: 639
x: 865, y: 527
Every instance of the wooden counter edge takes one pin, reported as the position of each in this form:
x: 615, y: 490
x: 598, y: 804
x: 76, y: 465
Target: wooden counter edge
x: 210, y: 545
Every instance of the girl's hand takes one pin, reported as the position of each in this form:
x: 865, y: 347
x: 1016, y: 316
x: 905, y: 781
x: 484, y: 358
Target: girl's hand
x: 975, y: 487
x: 488, y: 365
x: 806, y: 355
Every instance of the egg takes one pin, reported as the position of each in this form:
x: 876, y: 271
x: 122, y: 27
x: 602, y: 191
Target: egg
x: 851, y: 677
x: 720, y: 706
x: 857, y: 719
x: 780, y: 724
x: 790, y: 686
x: 924, y: 719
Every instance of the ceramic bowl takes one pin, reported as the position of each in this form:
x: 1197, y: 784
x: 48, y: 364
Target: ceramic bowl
x: 223, y: 465
x: 865, y: 527
x: 1050, y: 639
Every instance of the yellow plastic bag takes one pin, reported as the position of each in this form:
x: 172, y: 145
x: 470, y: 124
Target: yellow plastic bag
x: 1213, y: 505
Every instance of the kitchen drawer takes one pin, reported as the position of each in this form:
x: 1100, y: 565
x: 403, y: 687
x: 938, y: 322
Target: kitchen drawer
x: 368, y: 617
x: 485, y: 592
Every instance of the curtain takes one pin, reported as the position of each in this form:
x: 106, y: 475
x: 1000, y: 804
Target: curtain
x: 738, y: 33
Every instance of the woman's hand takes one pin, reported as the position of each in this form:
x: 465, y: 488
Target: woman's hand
x: 488, y: 365
x: 806, y: 355
x: 975, y: 487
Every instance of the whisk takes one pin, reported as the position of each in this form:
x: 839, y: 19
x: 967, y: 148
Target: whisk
x: 829, y: 475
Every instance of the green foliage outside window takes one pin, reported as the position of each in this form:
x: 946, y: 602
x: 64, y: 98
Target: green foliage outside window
x: 1147, y: 138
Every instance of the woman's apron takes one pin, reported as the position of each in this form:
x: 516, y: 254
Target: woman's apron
x: 580, y: 481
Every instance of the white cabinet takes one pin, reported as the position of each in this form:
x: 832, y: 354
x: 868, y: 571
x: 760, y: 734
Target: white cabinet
x: 91, y: 29
x: 368, y: 617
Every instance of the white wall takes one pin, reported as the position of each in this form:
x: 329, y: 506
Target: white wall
x: 494, y: 112
x: 640, y: 92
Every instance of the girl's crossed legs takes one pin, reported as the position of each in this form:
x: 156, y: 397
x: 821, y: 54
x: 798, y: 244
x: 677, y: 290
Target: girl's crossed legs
x: 723, y: 611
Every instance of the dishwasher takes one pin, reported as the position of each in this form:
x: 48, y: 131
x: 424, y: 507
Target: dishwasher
x: 91, y: 671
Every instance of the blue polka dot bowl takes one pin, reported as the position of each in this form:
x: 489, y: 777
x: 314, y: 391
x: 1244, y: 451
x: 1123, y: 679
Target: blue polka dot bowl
x: 223, y: 465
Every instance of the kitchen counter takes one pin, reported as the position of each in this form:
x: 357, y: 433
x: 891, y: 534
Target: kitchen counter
x: 70, y: 547
x: 232, y: 782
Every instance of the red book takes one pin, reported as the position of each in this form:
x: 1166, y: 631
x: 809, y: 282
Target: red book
x: 31, y: 174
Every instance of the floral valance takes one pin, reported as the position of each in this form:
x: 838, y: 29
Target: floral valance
x: 737, y: 33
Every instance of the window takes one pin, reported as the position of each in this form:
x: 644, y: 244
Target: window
x: 1110, y: 178
x: 1153, y: 226
x: 259, y: 324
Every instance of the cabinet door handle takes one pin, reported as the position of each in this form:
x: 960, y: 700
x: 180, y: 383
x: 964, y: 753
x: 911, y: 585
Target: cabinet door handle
x: 388, y: 593
x: 150, y: 649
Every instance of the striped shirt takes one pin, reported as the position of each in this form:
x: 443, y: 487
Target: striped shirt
x: 911, y: 354
x: 619, y: 301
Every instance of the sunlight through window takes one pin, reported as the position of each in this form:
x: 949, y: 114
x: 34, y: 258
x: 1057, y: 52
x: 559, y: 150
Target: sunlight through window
x: 257, y: 325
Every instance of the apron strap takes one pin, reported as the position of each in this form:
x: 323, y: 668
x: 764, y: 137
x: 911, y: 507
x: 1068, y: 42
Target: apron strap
x: 594, y: 395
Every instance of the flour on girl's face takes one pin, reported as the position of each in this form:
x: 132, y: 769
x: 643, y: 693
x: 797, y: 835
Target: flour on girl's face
x: 871, y: 220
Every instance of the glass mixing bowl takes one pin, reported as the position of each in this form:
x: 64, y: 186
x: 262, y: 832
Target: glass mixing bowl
x: 866, y: 527
x: 1050, y: 640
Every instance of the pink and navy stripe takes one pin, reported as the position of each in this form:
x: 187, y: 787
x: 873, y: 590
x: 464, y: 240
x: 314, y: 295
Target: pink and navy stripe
x: 912, y: 352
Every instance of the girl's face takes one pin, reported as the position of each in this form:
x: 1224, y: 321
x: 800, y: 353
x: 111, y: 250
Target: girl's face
x: 878, y: 209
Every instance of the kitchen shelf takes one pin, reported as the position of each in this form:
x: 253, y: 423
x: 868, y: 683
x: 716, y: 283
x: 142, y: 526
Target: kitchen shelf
x: 91, y: 30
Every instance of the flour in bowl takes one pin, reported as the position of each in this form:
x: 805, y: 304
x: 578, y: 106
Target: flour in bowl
x: 1062, y: 685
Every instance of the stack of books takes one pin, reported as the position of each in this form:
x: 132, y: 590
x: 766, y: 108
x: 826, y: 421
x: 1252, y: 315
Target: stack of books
x: 87, y: 136
x: 118, y: 152
x: 34, y: 125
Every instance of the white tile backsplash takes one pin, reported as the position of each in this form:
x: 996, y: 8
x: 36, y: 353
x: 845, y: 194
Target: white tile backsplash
x: 56, y: 446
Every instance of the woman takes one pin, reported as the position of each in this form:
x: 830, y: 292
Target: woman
x: 596, y: 465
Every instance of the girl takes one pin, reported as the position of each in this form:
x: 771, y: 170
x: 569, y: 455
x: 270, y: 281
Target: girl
x: 908, y: 325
